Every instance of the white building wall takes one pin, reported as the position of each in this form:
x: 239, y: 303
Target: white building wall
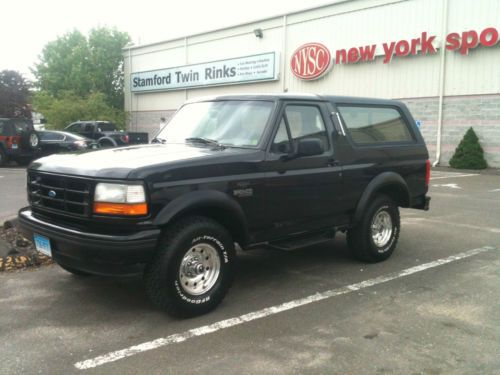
x: 346, y: 24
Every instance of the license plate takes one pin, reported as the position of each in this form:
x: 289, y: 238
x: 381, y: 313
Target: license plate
x: 42, y: 244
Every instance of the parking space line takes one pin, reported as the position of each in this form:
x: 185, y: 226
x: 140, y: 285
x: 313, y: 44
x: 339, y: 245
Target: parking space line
x: 227, y: 323
x: 455, y: 176
x: 423, y: 220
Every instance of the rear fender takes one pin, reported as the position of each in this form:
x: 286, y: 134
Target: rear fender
x: 386, y: 183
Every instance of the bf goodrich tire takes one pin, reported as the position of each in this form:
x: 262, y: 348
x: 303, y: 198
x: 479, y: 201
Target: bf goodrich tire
x: 192, y: 269
x: 376, y: 235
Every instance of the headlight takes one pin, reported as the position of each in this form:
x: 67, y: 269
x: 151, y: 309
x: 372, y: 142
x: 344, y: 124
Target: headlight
x: 120, y: 199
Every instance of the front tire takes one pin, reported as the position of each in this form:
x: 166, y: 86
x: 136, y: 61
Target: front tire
x: 375, y: 237
x: 193, y: 268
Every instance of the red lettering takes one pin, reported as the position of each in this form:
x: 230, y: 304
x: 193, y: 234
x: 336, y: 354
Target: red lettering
x: 469, y: 40
x: 452, y: 41
x: 388, y: 50
x: 311, y: 53
x: 414, y: 44
x: 402, y: 48
x: 493, y: 37
x: 353, y: 55
x: 367, y: 52
x: 427, y: 46
x: 340, y: 56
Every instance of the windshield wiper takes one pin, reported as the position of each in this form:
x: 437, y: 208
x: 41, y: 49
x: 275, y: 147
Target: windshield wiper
x: 206, y: 141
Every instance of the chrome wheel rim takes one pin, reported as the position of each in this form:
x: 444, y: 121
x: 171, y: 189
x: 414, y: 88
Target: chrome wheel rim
x: 199, y: 269
x: 33, y: 140
x: 381, y: 228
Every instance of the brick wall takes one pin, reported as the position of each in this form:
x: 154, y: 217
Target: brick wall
x: 481, y: 112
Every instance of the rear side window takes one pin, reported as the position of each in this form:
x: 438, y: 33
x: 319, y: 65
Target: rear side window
x: 374, y: 125
x: 51, y: 136
x: 22, y: 126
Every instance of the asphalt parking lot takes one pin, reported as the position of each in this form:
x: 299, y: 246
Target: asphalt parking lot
x: 432, y: 308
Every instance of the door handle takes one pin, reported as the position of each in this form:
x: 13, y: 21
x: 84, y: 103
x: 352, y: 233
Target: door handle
x: 333, y: 163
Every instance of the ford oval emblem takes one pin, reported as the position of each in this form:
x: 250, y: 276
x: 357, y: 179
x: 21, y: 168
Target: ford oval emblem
x: 52, y: 193
x: 310, y: 61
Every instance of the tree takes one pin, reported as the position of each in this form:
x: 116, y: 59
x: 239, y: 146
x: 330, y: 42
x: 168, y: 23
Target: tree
x: 14, y: 95
x: 81, y: 65
x: 60, y: 112
x: 469, y: 153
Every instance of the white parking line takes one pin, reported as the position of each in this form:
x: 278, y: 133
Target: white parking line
x: 414, y: 220
x: 455, y: 176
x: 223, y: 324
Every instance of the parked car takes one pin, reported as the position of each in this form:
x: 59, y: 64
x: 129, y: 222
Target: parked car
x: 53, y: 142
x: 276, y: 171
x: 18, y: 141
x: 106, y: 133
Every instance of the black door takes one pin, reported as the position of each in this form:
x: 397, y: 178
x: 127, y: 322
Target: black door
x: 302, y: 193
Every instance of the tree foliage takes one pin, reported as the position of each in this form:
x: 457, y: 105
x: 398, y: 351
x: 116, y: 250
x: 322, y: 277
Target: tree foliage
x: 14, y: 95
x: 69, y: 107
x: 469, y: 153
x: 84, y: 65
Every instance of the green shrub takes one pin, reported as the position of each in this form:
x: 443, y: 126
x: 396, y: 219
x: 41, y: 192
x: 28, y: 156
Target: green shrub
x: 469, y: 153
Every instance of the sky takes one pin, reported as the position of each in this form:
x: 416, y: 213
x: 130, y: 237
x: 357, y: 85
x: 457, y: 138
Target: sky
x: 26, y: 26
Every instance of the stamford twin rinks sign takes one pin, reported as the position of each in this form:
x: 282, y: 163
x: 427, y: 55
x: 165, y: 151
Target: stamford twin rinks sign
x: 313, y: 60
x: 255, y: 68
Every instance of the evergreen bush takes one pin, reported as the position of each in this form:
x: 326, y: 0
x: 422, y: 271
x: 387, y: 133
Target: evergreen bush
x: 469, y: 153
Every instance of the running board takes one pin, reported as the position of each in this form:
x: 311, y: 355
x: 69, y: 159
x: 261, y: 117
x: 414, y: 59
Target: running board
x: 299, y: 242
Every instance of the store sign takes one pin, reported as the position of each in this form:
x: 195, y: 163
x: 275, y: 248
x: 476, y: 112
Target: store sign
x: 310, y: 61
x: 255, y: 68
x: 306, y: 60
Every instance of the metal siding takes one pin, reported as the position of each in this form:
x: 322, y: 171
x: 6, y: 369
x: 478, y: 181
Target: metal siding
x: 343, y: 25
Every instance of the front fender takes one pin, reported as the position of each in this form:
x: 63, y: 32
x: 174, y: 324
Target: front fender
x: 219, y: 205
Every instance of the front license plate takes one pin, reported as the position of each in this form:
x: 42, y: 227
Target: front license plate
x: 42, y: 244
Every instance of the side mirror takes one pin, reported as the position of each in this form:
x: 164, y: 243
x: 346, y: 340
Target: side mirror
x: 309, y: 147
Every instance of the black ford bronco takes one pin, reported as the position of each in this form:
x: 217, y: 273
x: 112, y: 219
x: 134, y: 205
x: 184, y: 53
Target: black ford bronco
x: 278, y: 171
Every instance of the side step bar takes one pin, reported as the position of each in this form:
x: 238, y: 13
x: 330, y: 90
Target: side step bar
x: 301, y: 241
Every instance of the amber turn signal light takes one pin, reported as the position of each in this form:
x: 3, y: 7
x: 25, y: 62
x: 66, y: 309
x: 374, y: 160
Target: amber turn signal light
x: 136, y: 209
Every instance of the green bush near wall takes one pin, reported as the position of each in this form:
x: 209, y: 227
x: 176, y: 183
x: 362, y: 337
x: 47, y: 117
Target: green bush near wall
x: 469, y: 153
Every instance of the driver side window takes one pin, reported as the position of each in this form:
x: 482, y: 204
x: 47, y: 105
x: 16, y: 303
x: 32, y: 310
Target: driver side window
x: 304, y: 122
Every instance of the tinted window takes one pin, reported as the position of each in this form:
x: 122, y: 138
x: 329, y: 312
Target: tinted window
x: 105, y: 127
x: 75, y: 128
x: 305, y: 122
x: 374, y: 124
x: 22, y: 126
x: 49, y: 136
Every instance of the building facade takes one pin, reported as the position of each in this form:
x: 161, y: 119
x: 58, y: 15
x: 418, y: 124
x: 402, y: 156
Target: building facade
x: 440, y: 57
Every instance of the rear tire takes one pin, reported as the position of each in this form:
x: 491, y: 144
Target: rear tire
x: 192, y: 269
x: 375, y: 237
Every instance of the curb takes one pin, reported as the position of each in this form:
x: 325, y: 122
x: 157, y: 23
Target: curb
x: 20, y: 261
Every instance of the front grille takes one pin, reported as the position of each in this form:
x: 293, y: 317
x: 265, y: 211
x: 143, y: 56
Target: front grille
x: 59, y: 194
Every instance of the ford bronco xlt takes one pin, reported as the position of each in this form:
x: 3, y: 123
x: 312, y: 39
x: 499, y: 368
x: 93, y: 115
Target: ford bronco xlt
x: 278, y: 171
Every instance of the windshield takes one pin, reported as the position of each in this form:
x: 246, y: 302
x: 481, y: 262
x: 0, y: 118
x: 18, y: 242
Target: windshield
x: 230, y: 122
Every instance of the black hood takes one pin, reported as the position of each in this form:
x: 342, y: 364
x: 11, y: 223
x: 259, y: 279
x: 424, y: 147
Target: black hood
x: 132, y: 162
